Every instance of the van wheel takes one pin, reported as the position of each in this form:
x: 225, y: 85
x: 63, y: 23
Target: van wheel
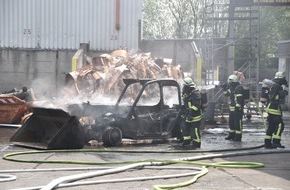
x: 112, y: 136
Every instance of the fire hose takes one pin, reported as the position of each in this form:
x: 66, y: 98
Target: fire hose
x: 66, y: 181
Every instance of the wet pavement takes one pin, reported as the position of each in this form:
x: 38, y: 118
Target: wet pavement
x: 101, y: 163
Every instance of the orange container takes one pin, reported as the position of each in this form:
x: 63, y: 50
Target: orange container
x: 12, y: 109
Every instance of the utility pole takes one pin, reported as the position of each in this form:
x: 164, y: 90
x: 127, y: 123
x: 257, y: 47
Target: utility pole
x: 230, y: 40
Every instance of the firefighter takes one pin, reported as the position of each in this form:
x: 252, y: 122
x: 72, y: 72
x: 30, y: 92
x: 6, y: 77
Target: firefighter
x: 192, y: 114
x: 273, y: 107
x: 235, y: 91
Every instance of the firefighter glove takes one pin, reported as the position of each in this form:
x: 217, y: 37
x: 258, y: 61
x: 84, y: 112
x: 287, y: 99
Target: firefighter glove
x: 225, y: 86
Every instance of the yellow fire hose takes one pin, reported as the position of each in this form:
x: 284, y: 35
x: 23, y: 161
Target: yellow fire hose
x: 148, y: 162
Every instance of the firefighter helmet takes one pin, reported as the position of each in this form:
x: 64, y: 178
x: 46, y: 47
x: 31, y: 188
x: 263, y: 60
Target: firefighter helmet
x: 233, y: 78
x: 188, y: 82
x: 279, y: 75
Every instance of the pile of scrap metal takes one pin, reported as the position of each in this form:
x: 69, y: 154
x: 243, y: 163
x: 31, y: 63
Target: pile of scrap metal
x: 103, y: 73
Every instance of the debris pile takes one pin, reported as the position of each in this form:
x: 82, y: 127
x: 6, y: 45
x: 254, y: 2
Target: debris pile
x: 103, y: 73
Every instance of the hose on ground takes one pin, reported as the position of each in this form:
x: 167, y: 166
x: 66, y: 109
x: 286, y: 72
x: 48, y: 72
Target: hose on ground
x: 186, y: 183
x: 7, y: 177
x: 187, y: 160
x: 11, y: 156
x: 79, y: 183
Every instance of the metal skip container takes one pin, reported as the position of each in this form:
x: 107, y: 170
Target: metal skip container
x: 12, y: 109
x: 50, y: 129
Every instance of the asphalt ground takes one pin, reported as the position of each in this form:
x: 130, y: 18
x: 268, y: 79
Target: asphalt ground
x: 97, y: 167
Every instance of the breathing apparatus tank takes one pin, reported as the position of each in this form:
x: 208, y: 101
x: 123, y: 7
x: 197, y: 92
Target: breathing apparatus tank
x: 246, y: 94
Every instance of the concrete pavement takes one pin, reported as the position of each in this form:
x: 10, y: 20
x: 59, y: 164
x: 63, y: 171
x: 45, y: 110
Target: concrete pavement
x: 274, y: 175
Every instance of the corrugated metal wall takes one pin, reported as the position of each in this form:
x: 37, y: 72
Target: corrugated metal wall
x: 64, y: 24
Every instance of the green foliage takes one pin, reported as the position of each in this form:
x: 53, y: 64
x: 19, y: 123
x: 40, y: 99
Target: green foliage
x: 178, y: 19
x: 274, y: 27
x: 174, y: 19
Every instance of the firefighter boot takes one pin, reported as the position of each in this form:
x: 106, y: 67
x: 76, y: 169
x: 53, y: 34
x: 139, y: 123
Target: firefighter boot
x: 268, y: 144
x: 185, y: 143
x: 238, y: 137
x: 180, y: 140
x: 195, y: 144
x: 277, y: 143
x: 231, y: 136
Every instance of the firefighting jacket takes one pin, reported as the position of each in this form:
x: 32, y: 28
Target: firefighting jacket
x: 275, y: 97
x: 192, y: 103
x: 236, y: 94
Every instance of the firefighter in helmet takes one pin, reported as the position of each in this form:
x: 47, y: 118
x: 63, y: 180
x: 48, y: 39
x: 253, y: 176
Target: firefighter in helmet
x: 235, y: 91
x: 275, y: 127
x: 192, y: 114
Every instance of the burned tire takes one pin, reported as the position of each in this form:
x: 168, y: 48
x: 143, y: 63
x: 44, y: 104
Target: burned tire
x: 112, y: 136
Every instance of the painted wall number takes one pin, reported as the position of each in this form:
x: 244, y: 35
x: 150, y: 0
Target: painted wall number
x: 27, y: 31
x: 114, y: 37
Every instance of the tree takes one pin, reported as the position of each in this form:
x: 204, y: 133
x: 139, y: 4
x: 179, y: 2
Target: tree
x: 157, y: 21
x: 188, y: 19
x: 175, y: 19
x: 274, y: 27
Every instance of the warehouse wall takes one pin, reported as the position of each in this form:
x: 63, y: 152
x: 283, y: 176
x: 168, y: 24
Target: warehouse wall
x: 38, y: 38
x: 40, y: 69
x: 64, y: 24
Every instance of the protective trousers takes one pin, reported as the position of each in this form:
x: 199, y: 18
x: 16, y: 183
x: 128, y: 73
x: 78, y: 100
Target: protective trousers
x: 232, y: 131
x: 191, y: 134
x: 274, y: 131
x: 236, y: 125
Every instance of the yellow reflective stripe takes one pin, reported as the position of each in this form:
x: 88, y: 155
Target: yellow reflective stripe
x: 232, y: 108
x: 232, y: 131
x: 238, y: 132
x: 273, y: 111
x: 238, y: 105
x: 186, y: 137
x: 192, y: 106
x: 197, y: 118
x: 276, y: 135
x: 268, y: 137
x: 238, y: 95
x: 197, y: 136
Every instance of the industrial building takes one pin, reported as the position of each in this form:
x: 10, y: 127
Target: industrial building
x: 38, y: 39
